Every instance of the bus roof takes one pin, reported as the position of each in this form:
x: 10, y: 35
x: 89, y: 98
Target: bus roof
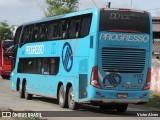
x: 62, y: 16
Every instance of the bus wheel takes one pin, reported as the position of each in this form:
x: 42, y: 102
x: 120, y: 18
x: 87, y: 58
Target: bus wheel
x: 62, y: 97
x: 7, y: 78
x: 3, y: 77
x: 121, y: 107
x: 21, y: 92
x: 27, y: 95
x: 71, y: 103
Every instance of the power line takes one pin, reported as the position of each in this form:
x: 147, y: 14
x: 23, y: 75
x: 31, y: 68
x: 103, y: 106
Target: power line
x: 94, y: 3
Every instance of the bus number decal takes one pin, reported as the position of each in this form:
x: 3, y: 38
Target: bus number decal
x: 114, y: 79
x: 67, y: 57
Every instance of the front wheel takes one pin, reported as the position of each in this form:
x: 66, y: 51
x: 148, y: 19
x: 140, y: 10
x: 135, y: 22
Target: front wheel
x: 121, y: 107
x: 71, y: 103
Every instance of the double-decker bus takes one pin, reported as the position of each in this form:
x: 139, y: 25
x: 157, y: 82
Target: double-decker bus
x: 96, y: 56
x: 5, y: 58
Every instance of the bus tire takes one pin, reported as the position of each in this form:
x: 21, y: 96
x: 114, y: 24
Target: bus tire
x: 21, y: 92
x: 121, y: 107
x: 27, y: 95
x: 62, y: 97
x: 7, y: 77
x: 71, y: 103
x: 3, y: 77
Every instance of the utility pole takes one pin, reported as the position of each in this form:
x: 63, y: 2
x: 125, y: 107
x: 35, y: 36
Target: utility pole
x: 108, y: 5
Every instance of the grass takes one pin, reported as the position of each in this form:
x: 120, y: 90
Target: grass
x: 154, y: 100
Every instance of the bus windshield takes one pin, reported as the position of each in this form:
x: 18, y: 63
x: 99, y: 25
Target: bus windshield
x: 124, y: 21
x: 7, y: 44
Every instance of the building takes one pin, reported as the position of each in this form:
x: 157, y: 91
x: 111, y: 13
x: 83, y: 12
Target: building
x: 156, y: 35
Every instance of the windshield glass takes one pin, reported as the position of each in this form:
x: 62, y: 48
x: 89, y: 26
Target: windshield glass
x: 124, y: 21
x: 7, y: 44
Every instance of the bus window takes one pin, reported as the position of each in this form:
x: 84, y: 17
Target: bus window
x: 117, y: 21
x: 50, y: 31
x: 85, y: 26
x: 77, y: 27
x: 45, y: 66
x: 26, y: 35
x: 74, y: 27
x: 54, y: 66
x: 35, y: 33
x: 64, y: 29
x: 17, y: 35
x: 56, y: 30
x: 43, y: 32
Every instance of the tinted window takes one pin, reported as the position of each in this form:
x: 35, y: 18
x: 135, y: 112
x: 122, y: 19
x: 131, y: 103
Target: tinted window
x: 7, y: 44
x: 127, y: 21
x: 67, y: 28
x: 17, y: 35
x: 47, y: 66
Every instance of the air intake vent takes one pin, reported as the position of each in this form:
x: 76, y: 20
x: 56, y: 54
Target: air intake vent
x: 123, y: 60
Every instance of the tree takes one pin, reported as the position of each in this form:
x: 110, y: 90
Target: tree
x: 58, y: 7
x: 5, y: 31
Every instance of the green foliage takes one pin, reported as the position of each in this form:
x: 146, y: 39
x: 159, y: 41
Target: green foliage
x: 58, y: 7
x: 154, y: 100
x: 5, y: 31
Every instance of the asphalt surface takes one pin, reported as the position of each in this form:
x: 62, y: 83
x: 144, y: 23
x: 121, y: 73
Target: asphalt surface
x: 9, y: 100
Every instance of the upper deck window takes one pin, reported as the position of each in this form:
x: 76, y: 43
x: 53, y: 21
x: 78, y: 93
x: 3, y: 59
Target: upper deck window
x: 124, y: 21
x: 65, y: 28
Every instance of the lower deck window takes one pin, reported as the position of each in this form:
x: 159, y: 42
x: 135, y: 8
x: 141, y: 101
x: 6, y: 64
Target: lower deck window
x: 47, y: 66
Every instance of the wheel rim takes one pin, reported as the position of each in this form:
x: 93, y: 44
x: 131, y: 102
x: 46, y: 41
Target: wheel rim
x: 61, y: 97
x: 71, y: 98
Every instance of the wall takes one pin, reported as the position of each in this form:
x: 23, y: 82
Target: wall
x: 155, y: 76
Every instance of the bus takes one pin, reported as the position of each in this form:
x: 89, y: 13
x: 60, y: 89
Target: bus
x: 5, y: 58
x: 97, y: 56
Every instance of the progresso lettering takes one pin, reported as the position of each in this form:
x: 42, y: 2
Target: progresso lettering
x: 124, y: 37
x: 35, y: 49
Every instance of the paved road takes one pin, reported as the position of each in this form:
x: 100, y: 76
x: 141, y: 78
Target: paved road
x: 10, y: 100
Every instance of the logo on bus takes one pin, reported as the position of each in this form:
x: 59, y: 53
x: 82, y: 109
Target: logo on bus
x: 114, y: 79
x: 67, y: 57
x: 124, y: 37
x: 35, y: 49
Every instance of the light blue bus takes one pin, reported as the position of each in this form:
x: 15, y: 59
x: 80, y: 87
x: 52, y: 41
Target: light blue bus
x: 96, y: 56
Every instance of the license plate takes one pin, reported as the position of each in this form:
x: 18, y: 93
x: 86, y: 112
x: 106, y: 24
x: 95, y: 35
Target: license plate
x: 122, y: 95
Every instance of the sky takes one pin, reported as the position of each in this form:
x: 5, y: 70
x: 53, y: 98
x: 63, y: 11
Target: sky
x: 17, y: 12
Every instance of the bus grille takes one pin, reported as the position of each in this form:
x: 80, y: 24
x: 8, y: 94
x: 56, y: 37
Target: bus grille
x: 123, y: 60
